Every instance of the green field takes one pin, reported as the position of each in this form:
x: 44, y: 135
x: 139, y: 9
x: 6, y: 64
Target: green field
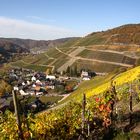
x: 106, y: 56
x: 52, y: 52
x: 21, y: 64
x: 70, y: 43
x: 38, y: 59
x: 60, y: 61
x: 95, y: 66
x: 94, y: 39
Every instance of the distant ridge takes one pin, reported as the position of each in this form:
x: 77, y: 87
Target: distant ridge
x: 9, y: 46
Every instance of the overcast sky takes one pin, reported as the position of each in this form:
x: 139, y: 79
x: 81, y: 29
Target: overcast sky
x: 52, y: 19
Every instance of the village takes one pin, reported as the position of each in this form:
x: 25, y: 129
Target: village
x: 38, y: 91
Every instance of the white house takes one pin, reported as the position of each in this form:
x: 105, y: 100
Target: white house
x: 23, y: 83
x: 16, y: 88
x: 38, y: 82
x: 22, y: 92
x: 84, y: 74
x: 50, y: 87
x: 28, y: 82
x: 33, y: 85
x: 51, y: 77
x: 86, y: 78
x: 33, y: 78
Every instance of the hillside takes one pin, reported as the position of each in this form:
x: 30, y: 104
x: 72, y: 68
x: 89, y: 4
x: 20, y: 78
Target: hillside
x: 64, y: 121
x: 7, y: 49
x: 34, y: 44
x: 10, y: 46
x: 123, y: 35
x: 101, y: 52
x: 104, y: 51
x: 101, y: 84
x: 99, y: 61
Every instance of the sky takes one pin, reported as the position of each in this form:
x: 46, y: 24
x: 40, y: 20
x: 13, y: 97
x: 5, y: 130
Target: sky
x: 53, y: 19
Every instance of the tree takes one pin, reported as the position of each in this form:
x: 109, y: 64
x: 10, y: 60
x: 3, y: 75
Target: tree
x: 138, y: 62
x: 48, y: 71
x: 68, y: 70
x: 75, y: 70
x: 71, y: 72
x: 54, y: 71
x: 4, y: 87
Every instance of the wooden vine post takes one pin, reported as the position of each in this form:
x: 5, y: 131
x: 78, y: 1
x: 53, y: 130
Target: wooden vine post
x: 16, y: 107
x: 83, y: 113
x: 114, y: 94
x: 88, y: 123
x: 130, y: 104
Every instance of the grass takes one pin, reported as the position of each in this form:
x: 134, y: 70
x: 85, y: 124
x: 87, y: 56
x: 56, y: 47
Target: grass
x: 61, y: 60
x: 21, y: 64
x: 52, y: 52
x: 38, y: 59
x: 87, y: 86
x: 38, y: 68
x: 52, y: 99
x: 64, y: 49
x: 70, y: 43
x: 46, y: 99
x: 94, y: 39
x: 106, y: 56
x: 95, y: 66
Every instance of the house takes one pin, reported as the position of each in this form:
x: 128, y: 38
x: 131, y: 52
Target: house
x: 33, y: 78
x: 28, y: 82
x: 37, y: 88
x: 86, y: 78
x: 33, y: 85
x: 38, y: 82
x: 50, y: 77
x: 16, y: 88
x: 50, y: 87
x: 84, y: 74
x: 23, y: 93
x: 23, y: 83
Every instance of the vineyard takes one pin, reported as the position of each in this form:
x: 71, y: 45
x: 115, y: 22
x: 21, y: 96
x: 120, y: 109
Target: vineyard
x: 108, y: 111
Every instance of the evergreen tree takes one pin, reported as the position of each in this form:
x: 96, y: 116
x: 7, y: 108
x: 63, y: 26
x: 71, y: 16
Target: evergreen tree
x: 75, y: 70
x: 68, y: 70
x: 71, y: 72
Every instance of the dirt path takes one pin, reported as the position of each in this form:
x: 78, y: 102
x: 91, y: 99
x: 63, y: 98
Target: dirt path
x: 68, y: 63
x: 107, y: 62
x: 131, y: 55
x: 37, y: 64
x: 74, y: 57
x: 110, y: 51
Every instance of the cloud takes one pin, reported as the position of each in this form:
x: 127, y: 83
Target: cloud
x: 24, y: 29
x: 35, y: 17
